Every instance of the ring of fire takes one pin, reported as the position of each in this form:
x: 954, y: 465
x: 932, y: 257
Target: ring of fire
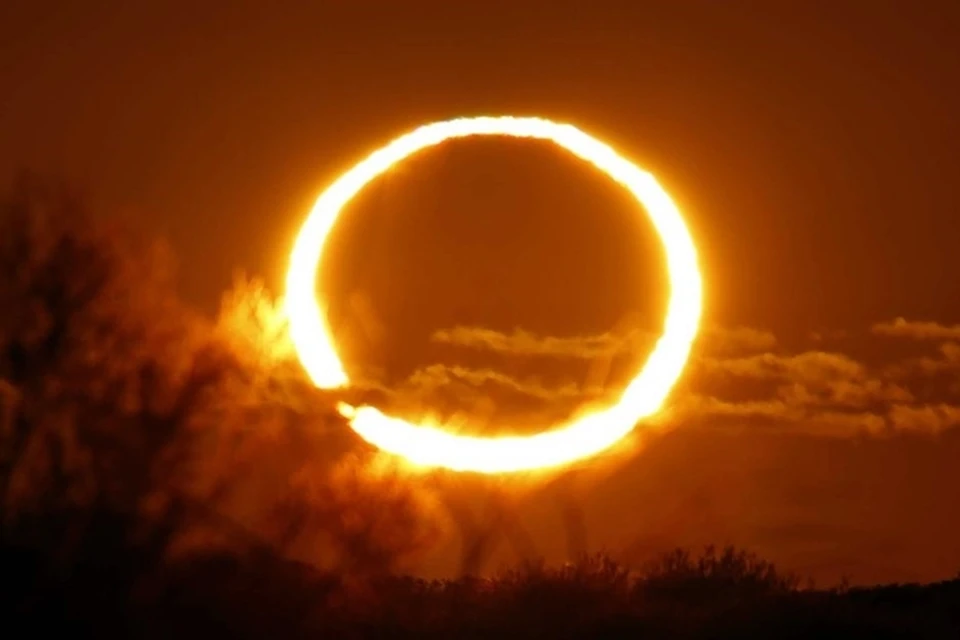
x: 428, y: 444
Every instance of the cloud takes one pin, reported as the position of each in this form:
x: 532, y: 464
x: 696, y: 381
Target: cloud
x: 438, y: 375
x: 701, y: 406
x: 713, y: 339
x: 524, y: 343
x: 929, y: 418
x: 947, y: 361
x: 737, y: 375
x: 808, y: 366
x: 783, y: 414
x: 917, y: 330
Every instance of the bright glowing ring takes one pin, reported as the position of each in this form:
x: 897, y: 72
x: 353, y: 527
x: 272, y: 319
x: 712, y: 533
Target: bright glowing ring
x: 429, y: 444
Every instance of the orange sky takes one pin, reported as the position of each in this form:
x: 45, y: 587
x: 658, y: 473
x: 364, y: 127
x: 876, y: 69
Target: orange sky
x: 812, y: 146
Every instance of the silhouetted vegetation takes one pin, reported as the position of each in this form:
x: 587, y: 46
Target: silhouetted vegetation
x: 167, y: 475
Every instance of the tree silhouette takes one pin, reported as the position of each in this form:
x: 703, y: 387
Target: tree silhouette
x: 104, y: 373
x: 123, y: 410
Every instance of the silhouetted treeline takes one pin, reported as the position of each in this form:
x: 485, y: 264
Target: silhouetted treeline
x: 163, y: 474
x: 254, y: 595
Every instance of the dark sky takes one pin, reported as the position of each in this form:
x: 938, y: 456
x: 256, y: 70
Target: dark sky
x: 813, y: 145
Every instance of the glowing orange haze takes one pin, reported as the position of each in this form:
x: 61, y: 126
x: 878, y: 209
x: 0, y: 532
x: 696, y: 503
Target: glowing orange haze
x: 431, y: 444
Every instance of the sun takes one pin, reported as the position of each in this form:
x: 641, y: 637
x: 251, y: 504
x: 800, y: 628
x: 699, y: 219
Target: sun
x: 429, y: 444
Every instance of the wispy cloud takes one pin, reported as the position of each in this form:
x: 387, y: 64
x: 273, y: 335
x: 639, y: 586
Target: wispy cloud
x: 946, y: 361
x: 812, y: 366
x: 928, y: 418
x: 737, y: 375
x: 917, y: 330
x: 519, y: 342
x: 525, y: 343
x: 438, y: 375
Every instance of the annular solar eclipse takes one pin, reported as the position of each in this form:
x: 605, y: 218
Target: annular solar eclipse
x: 429, y: 444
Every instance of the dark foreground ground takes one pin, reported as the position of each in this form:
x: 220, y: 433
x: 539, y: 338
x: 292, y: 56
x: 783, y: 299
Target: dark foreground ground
x: 720, y: 594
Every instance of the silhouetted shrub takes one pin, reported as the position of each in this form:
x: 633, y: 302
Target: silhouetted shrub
x: 727, y: 574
